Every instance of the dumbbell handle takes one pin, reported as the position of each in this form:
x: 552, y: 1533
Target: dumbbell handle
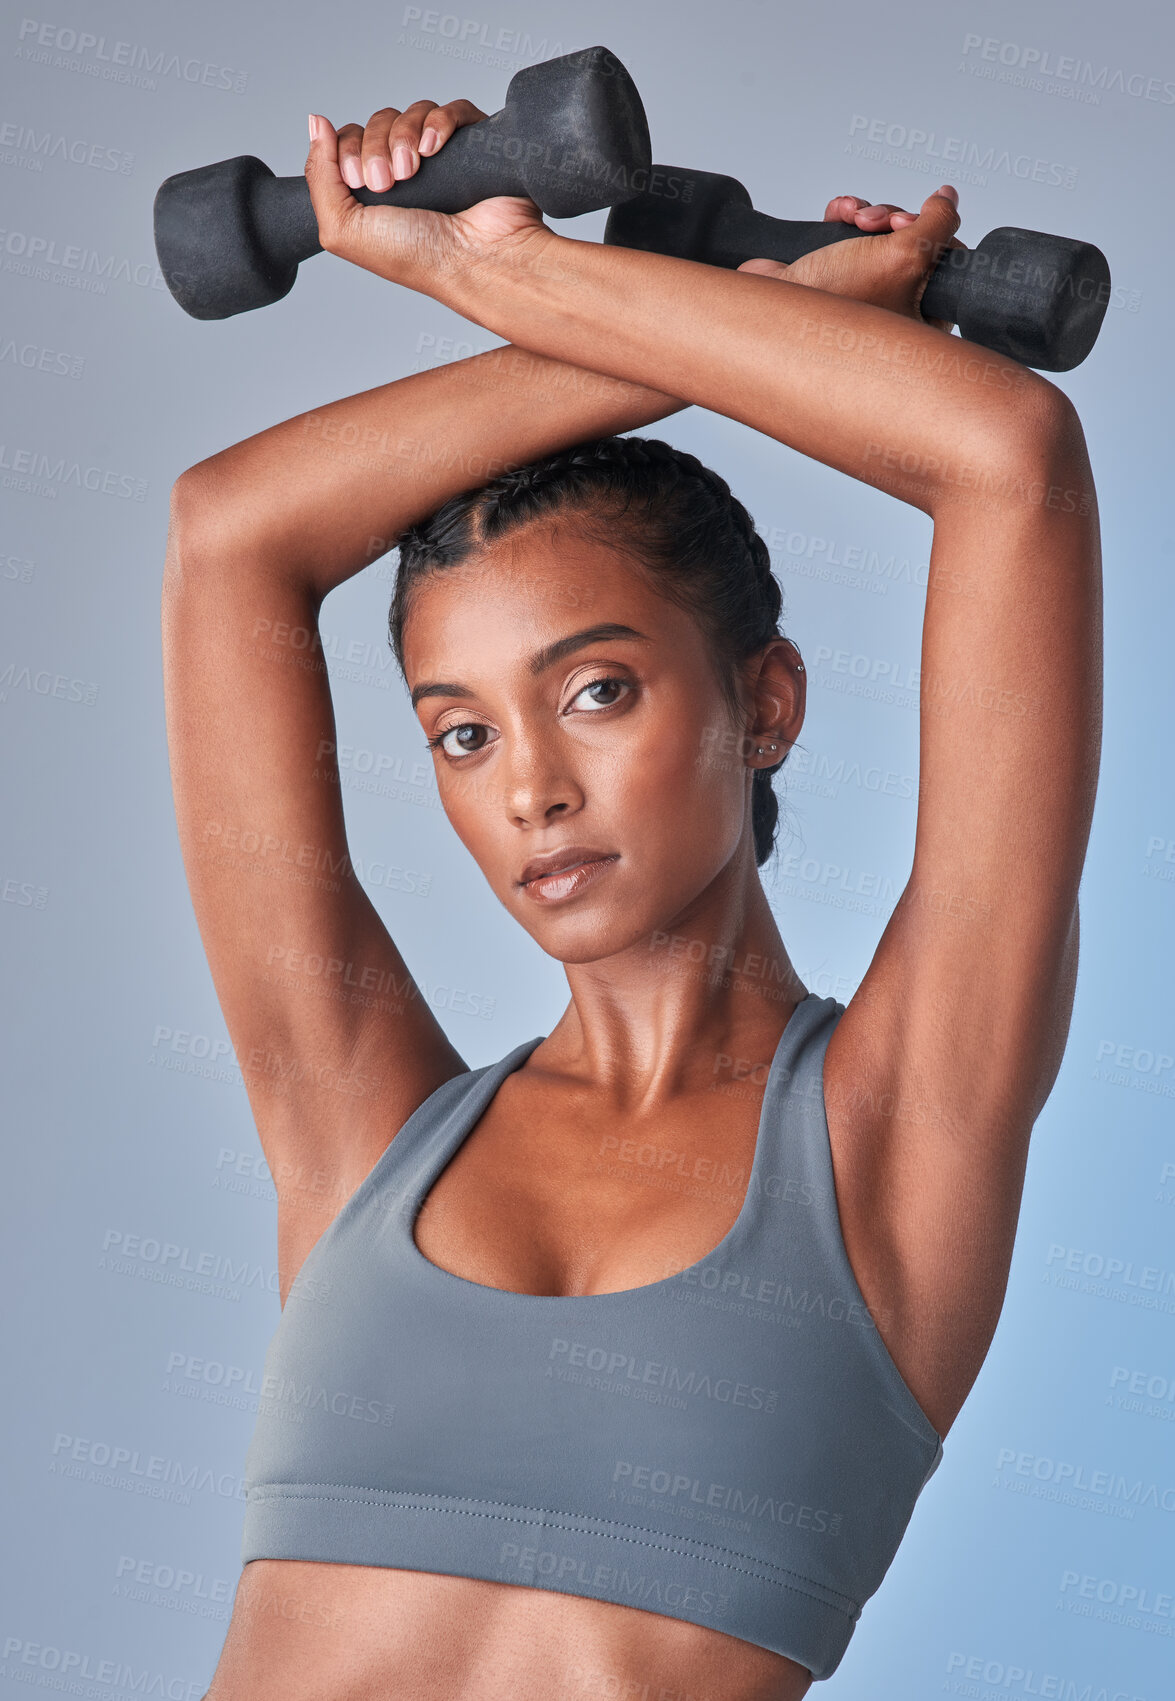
x: 478, y: 161
x: 466, y: 170
x: 1036, y: 298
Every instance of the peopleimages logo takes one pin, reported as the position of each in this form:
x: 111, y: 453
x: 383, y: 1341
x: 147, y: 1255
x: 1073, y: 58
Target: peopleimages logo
x: 1040, y: 63
x: 1143, y: 1383
x: 118, y: 61
x: 959, y: 152
x: 152, y: 1573
x: 1148, y: 1285
x: 152, y: 1474
x: 624, y: 1370
x: 1027, y: 1680
x: 57, y: 363
x: 745, y: 1503
x: 45, y: 684
x: 73, y: 1664
x: 1135, y: 1598
x: 33, y: 468
x: 468, y: 33
x: 617, y: 1583
x: 1079, y: 1479
x: 54, y: 144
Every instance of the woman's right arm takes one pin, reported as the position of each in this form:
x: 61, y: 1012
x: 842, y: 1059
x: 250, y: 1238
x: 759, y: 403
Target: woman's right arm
x: 335, y: 1042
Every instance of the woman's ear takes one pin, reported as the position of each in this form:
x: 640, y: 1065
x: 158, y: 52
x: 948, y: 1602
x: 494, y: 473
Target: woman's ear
x: 777, y: 682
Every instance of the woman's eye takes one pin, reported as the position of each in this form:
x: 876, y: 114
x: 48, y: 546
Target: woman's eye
x: 611, y: 688
x: 464, y: 739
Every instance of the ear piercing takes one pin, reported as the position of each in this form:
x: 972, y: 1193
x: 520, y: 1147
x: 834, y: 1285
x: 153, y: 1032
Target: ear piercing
x: 760, y: 749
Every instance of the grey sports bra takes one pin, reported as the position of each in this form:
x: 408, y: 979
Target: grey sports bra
x: 733, y: 1445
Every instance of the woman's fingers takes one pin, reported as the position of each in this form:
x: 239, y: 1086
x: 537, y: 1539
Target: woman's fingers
x: 350, y: 165
x: 877, y: 217
x: 934, y: 231
x: 376, y: 153
x: 332, y: 200
x: 872, y: 216
x: 390, y: 146
x: 404, y: 138
x: 867, y: 215
x: 765, y: 268
x: 844, y: 207
x: 440, y: 123
x: 938, y: 219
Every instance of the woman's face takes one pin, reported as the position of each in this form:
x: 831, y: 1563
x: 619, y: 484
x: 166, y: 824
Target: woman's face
x: 576, y: 718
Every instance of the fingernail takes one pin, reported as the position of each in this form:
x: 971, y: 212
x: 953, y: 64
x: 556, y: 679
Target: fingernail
x: 402, y: 164
x: 313, y: 123
x: 429, y: 141
x: 352, y: 175
x: 380, y: 174
x: 951, y: 193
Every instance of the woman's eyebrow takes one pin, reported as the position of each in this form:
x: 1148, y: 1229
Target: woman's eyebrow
x: 542, y: 659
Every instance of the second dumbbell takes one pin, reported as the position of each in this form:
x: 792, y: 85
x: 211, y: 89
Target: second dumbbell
x: 1036, y: 298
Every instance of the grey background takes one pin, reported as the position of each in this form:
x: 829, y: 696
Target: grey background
x: 110, y: 392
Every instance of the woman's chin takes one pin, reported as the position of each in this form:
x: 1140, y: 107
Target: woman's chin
x: 585, y: 932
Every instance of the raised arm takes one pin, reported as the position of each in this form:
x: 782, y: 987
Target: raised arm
x: 336, y: 1044
x: 955, y: 1036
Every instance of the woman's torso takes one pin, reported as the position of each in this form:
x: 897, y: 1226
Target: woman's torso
x: 583, y: 1220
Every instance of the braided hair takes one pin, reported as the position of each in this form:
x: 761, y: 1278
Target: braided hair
x: 677, y: 517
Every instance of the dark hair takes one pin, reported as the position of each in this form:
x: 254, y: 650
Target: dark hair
x: 677, y: 518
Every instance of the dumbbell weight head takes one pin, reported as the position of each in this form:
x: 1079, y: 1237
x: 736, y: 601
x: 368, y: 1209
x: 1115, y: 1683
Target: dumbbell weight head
x: 1043, y: 297
x: 217, y: 237
x: 572, y: 136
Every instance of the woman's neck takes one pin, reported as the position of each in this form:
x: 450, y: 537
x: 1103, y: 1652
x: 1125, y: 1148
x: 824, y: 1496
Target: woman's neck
x: 649, y: 1020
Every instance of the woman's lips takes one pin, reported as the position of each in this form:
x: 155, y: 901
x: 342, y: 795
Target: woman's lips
x: 566, y: 882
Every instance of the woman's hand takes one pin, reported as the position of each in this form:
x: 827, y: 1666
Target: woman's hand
x: 891, y: 270
x: 407, y: 245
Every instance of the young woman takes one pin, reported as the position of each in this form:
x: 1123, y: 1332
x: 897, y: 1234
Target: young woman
x: 531, y: 1426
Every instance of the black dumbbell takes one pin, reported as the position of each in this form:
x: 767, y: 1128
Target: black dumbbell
x: 1039, y: 299
x: 572, y: 136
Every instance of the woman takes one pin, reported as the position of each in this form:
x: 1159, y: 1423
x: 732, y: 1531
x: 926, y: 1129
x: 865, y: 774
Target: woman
x: 515, y: 1441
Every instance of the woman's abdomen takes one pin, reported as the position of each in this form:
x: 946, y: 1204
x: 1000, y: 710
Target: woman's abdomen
x: 305, y: 1631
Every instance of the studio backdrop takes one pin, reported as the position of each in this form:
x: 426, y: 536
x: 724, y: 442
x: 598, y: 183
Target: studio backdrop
x: 139, y: 1216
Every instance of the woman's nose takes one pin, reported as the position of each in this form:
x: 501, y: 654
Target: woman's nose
x: 538, y: 782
